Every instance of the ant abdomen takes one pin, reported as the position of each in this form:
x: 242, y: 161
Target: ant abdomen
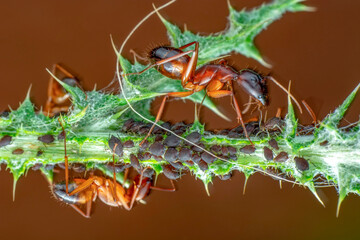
x: 59, y: 190
x: 173, y: 69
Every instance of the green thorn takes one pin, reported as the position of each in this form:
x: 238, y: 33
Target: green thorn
x: 207, y: 188
x: 14, y: 187
x: 28, y: 93
x: 313, y: 190
x: 245, y: 184
x: 342, y: 195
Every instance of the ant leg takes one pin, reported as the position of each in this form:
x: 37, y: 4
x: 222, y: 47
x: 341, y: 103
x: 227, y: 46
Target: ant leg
x: 82, y: 213
x: 66, y: 159
x: 89, y: 199
x: 198, y: 110
x: 158, y: 116
x: 84, y: 185
x: 278, y: 113
x: 223, y: 93
x: 173, y: 189
x: 310, y: 111
x: 190, y: 69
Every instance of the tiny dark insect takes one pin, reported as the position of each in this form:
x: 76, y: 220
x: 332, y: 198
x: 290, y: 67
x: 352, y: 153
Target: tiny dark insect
x: 232, y: 150
x: 185, y: 154
x: 5, y: 140
x: 203, y: 165
x: 48, y: 138
x: 324, y: 143
x: 39, y: 153
x: 274, y: 123
x: 61, y: 135
x: 197, y: 149
x: 37, y: 166
x: 178, y: 165
x: 207, y: 157
x: 225, y: 176
x: 248, y: 149
x: 157, y: 149
x: 117, y: 168
x: 301, y: 164
x: 273, y: 143
x: 171, y: 154
x: 268, y: 154
x: 216, y: 149
x: 196, y: 157
x: 170, y: 172
x: 281, y: 157
x: 18, y: 151
x: 194, y: 137
x: 135, y: 162
x: 115, y: 145
x: 128, y: 144
x: 172, y: 141
x: 224, y: 150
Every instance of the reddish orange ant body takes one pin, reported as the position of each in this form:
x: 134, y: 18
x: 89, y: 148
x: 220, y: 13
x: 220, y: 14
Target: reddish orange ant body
x: 216, y: 78
x: 85, y: 191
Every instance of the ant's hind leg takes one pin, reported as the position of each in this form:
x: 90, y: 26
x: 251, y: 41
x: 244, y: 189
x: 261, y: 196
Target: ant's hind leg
x: 161, y: 109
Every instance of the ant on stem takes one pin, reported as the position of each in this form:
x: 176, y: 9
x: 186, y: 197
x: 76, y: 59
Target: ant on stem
x: 123, y: 75
x: 215, y: 78
x: 109, y: 191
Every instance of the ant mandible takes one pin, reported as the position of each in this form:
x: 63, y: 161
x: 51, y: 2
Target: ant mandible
x: 216, y: 78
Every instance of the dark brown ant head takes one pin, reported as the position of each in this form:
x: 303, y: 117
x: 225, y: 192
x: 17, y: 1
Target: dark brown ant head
x: 254, y: 84
x: 59, y: 191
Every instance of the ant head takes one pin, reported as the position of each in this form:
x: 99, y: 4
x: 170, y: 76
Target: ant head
x: 254, y: 84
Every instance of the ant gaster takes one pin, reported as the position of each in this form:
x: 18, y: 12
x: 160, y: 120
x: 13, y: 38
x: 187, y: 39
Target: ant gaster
x: 216, y: 78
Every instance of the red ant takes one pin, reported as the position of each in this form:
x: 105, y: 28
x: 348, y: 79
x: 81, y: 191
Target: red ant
x: 85, y: 191
x: 216, y: 78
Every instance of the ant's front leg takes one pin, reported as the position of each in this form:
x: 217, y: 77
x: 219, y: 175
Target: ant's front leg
x: 223, y: 93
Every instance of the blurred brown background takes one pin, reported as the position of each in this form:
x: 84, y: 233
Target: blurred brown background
x: 318, y: 51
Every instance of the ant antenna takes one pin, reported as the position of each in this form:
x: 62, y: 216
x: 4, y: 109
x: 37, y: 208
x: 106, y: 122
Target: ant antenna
x: 118, y: 53
x: 288, y: 92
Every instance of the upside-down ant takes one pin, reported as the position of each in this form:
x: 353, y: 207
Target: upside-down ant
x: 112, y: 193
x: 216, y: 78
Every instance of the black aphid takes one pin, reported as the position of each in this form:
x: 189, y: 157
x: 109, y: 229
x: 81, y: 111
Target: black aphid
x: 281, y: 157
x: 268, y: 154
x: 115, y: 145
x: 301, y: 164
x: 48, y: 138
x: 5, y: 140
